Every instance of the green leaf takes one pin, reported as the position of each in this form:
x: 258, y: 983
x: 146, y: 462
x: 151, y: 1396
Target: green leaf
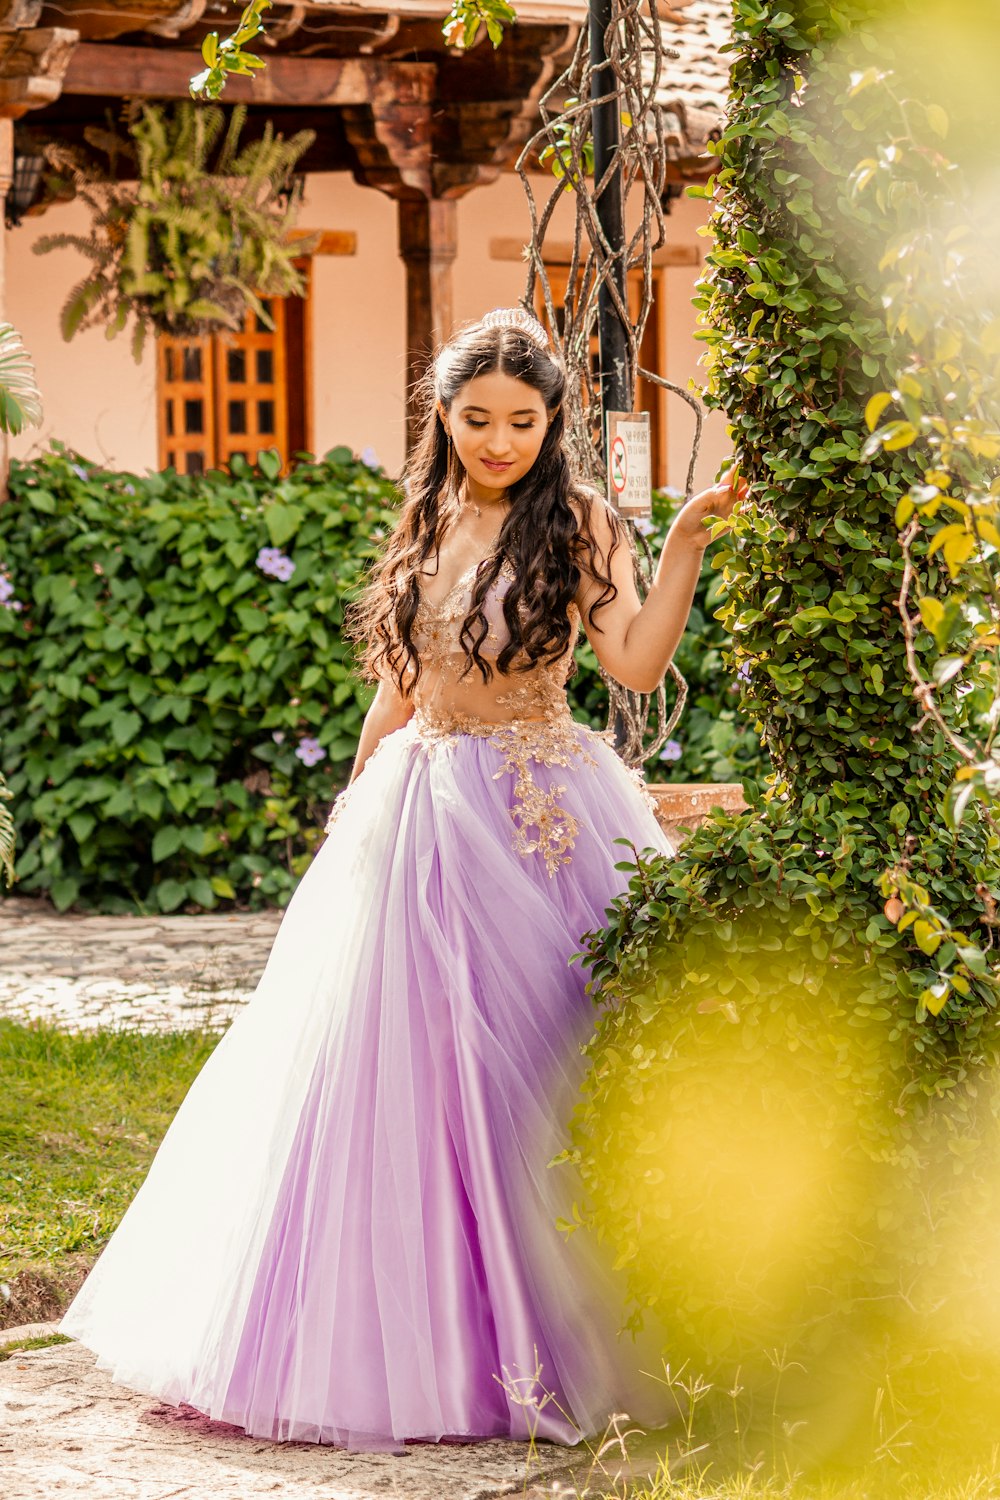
x: 269, y: 463
x: 898, y: 435
x: 202, y: 892
x: 169, y: 894
x: 64, y: 892
x: 166, y: 841
x: 251, y: 619
x: 927, y: 940
x: 124, y: 727
x: 20, y: 399
x: 937, y: 119
x: 81, y: 825
x: 282, y: 521
x: 876, y: 406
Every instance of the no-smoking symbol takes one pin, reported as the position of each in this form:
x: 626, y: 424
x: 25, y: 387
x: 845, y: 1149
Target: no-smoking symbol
x: 619, y: 464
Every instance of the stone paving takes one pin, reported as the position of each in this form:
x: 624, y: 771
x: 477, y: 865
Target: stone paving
x: 67, y: 1430
x: 151, y: 973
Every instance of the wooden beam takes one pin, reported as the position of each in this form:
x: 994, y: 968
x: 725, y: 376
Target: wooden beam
x: 179, y: 18
x: 561, y: 253
x: 428, y: 241
x: 330, y: 242
x: 32, y: 67
x: 18, y: 15
x: 113, y: 18
x: 391, y: 133
x: 164, y: 72
x: 529, y: 12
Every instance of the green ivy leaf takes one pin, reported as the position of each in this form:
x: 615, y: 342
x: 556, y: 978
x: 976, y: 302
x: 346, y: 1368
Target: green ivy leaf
x: 169, y: 894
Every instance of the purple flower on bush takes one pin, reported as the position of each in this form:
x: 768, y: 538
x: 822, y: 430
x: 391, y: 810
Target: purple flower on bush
x: 672, y: 750
x: 275, y: 563
x: 6, y: 588
x: 79, y: 471
x: 310, y: 751
x: 644, y: 525
x: 278, y: 736
x: 744, y: 672
x: 370, y: 457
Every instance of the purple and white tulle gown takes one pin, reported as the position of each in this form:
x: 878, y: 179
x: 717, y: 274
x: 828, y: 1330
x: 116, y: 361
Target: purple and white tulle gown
x: 348, y: 1234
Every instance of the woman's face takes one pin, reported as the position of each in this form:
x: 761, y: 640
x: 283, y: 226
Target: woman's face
x: 498, y: 425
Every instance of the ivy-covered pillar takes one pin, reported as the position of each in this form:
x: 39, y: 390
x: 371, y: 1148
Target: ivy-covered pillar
x: 790, y: 1126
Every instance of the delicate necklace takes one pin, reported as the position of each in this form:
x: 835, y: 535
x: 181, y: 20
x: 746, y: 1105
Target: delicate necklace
x: 465, y: 503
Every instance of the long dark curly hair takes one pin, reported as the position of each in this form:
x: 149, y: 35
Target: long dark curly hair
x: 543, y: 538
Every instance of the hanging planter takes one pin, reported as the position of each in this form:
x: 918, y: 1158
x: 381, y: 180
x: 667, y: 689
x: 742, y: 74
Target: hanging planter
x: 199, y: 238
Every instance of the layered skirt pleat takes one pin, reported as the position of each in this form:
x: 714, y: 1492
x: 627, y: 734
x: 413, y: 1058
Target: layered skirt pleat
x: 349, y: 1232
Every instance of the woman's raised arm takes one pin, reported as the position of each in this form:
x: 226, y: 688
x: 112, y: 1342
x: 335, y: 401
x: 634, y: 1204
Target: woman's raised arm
x: 633, y: 639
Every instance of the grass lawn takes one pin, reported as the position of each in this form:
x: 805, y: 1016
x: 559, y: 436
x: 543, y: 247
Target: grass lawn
x: 80, y: 1118
x: 875, y: 1482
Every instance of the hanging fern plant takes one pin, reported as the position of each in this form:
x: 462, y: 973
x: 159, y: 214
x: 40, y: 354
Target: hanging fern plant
x: 197, y: 237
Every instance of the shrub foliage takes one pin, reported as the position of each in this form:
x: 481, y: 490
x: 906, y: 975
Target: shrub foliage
x: 163, y: 700
x: 787, y: 1097
x: 177, y: 701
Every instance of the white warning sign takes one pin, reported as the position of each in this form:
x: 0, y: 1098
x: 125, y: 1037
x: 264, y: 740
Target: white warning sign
x: 630, y: 477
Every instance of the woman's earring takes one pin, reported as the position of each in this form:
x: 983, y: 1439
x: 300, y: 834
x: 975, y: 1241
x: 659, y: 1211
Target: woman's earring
x: 453, y: 466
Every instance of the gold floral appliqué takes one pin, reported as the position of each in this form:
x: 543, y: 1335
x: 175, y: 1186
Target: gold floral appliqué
x: 541, y: 824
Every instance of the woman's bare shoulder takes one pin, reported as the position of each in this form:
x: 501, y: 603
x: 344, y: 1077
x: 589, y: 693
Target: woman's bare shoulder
x: 596, y: 517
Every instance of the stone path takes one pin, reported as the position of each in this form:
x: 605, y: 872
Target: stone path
x: 151, y: 973
x: 68, y: 1430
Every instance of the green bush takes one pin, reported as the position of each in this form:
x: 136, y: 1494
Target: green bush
x: 789, y: 1127
x: 162, y: 698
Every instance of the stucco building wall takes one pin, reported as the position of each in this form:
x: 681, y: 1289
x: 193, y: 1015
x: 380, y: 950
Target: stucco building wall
x: 98, y: 401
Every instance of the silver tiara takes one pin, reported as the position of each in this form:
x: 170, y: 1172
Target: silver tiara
x: 521, y: 321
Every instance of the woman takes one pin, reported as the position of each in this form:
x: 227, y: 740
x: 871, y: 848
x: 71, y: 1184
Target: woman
x: 348, y: 1234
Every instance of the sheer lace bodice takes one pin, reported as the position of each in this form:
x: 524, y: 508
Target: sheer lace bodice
x: 525, y: 716
x: 446, y: 697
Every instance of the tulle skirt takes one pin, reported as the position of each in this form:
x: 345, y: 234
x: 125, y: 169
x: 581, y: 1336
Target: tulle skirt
x: 349, y: 1232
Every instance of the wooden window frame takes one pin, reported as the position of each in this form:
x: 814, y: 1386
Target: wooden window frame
x: 291, y: 347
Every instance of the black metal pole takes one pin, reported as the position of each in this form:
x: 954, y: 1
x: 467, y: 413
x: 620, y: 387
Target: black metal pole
x: 616, y: 377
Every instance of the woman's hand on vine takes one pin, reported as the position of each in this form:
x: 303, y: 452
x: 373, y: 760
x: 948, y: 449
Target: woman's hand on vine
x: 715, y: 504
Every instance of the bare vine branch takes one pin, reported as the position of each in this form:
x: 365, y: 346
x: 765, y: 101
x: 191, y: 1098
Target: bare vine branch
x: 636, y: 53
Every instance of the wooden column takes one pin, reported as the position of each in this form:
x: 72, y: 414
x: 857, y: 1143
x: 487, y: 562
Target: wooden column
x: 6, y: 178
x: 428, y: 244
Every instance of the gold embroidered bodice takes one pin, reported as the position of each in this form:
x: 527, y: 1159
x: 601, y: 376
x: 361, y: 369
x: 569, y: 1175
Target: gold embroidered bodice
x: 524, y: 715
x: 443, y: 695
